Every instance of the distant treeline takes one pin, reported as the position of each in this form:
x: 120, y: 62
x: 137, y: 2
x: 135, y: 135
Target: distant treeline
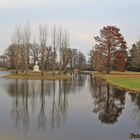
x: 110, y: 52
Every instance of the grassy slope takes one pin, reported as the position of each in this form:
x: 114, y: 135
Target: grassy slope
x: 36, y: 76
x: 127, y: 80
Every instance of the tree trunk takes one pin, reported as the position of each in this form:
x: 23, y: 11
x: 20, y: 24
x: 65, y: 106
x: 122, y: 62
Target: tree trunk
x: 108, y: 60
x: 42, y: 60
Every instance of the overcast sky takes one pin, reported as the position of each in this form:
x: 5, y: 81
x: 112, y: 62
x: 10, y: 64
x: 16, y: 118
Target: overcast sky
x: 82, y: 18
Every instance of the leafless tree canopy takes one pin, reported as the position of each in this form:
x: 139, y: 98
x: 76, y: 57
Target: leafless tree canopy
x: 56, y: 57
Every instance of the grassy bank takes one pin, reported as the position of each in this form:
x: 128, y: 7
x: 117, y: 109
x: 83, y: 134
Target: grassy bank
x: 3, y: 69
x: 125, y: 80
x: 37, y: 76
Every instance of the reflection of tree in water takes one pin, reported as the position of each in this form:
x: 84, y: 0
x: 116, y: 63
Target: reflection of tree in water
x: 19, y: 111
x: 76, y: 82
x: 60, y: 98
x: 42, y: 116
x: 59, y: 104
x: 135, y: 98
x: 28, y: 100
x: 108, y: 101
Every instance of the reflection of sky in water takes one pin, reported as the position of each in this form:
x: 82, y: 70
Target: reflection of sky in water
x: 65, y: 110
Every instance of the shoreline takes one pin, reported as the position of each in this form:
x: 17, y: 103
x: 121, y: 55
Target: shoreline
x: 37, y: 76
x: 123, y: 82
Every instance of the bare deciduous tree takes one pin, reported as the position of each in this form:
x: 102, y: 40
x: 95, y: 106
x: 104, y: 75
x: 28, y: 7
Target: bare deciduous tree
x: 43, y: 41
x: 59, y: 40
x: 54, y: 45
x: 26, y: 44
x: 81, y: 61
x: 35, y: 51
x: 9, y: 52
x: 51, y: 57
x: 65, y: 51
x: 16, y: 40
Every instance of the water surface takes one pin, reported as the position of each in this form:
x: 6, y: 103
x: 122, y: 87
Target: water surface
x: 78, y: 109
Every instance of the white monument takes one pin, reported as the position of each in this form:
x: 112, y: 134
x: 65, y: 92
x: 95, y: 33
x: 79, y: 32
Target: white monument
x: 36, y: 67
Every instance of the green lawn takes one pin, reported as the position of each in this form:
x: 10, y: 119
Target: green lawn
x: 37, y: 76
x: 127, y: 80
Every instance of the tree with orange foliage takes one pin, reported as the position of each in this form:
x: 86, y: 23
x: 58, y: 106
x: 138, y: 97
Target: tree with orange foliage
x: 112, y: 48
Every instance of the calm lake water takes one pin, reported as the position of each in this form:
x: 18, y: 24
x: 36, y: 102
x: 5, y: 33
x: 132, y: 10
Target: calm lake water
x: 78, y: 109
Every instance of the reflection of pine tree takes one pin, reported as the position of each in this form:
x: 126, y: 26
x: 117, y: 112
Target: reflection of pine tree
x: 109, y: 102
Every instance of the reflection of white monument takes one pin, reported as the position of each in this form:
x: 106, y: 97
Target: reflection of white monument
x: 36, y: 67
